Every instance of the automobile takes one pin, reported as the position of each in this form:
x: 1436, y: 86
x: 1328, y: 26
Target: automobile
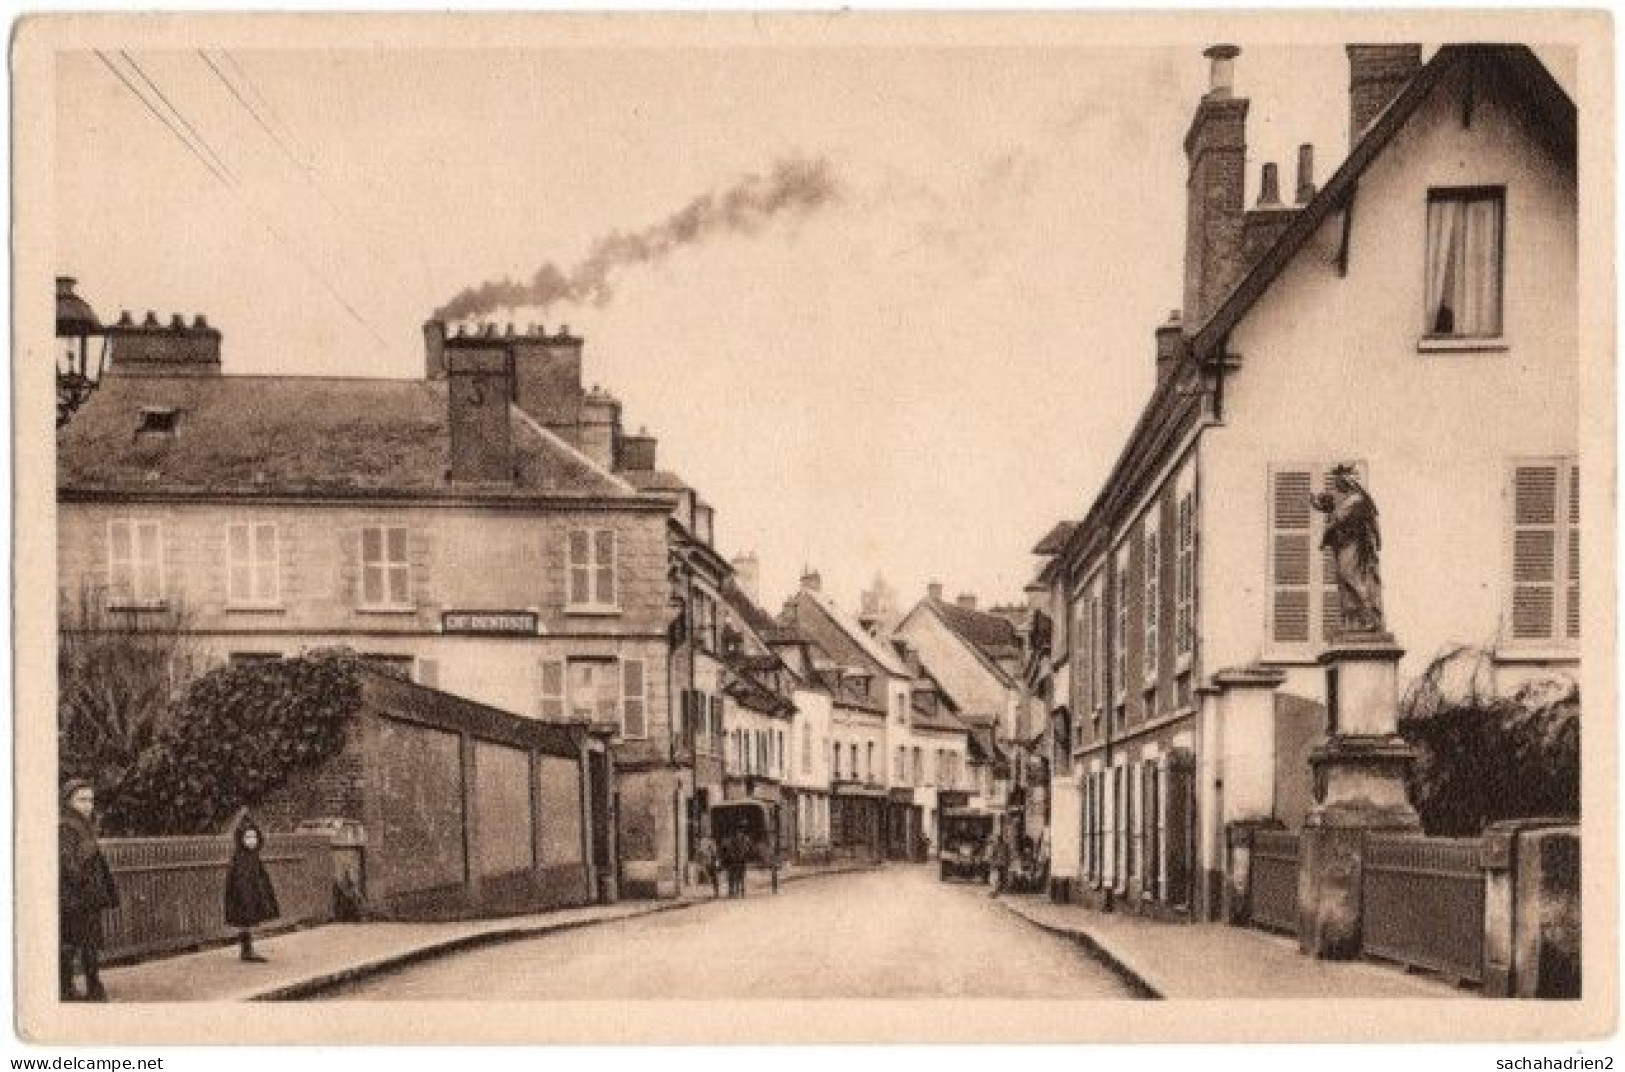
x: 760, y: 822
x: 965, y: 836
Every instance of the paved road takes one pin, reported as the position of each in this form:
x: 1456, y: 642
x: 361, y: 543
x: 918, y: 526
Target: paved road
x: 891, y: 933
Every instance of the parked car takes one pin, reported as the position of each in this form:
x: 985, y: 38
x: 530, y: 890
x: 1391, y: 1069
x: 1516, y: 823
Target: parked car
x: 965, y: 835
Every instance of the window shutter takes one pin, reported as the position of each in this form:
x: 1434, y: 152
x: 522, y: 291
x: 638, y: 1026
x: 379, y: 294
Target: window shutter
x: 604, y: 567
x: 1534, y: 551
x: 1120, y: 633
x: 552, y: 690
x: 1290, y: 553
x: 265, y: 563
x: 149, y: 561
x: 1153, y: 602
x: 1185, y: 580
x: 372, y: 566
x: 239, y: 564
x: 429, y: 673
x: 634, y: 721
x: 1572, y: 611
x: 608, y: 707
x: 399, y: 567
x: 120, y: 560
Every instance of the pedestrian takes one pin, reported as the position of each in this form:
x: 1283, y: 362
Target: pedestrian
x: 706, y: 858
x: 740, y: 861
x: 999, y: 864
x: 250, y: 897
x: 86, y: 891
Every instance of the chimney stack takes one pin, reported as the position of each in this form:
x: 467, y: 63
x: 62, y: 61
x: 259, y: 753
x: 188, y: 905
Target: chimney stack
x: 637, y: 452
x: 967, y: 600
x: 155, y: 349
x: 1216, y: 150
x: 1306, y: 174
x: 933, y: 591
x: 434, y: 349
x: 811, y: 581
x: 598, y: 430
x: 1170, y: 345
x: 1269, y: 187
x: 479, y: 390
x: 747, y: 575
x: 1376, y: 75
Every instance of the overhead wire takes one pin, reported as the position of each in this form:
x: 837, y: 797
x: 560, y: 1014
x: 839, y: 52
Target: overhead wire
x: 202, y: 151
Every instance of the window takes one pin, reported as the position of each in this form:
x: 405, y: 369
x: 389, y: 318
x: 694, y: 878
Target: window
x: 1301, y: 594
x: 135, y: 562
x: 1152, y: 592
x: 919, y: 768
x: 251, y: 565
x: 385, y: 573
x: 835, y: 762
x: 853, y: 773
x: 591, y: 690
x: 1545, y: 551
x: 869, y: 763
x: 716, y: 723
x: 1185, y: 579
x: 592, y: 569
x: 1464, y: 263
x: 899, y: 775
x: 778, y: 737
x: 806, y: 748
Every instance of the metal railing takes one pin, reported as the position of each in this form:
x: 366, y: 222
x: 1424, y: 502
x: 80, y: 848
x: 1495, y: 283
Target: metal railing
x: 1423, y: 903
x: 1274, y: 880
x: 172, y: 889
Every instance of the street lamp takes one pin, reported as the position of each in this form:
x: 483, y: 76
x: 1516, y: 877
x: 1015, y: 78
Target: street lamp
x: 76, y: 327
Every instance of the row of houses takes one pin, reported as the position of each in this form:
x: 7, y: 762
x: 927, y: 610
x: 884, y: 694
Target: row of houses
x: 492, y: 537
x: 1414, y: 319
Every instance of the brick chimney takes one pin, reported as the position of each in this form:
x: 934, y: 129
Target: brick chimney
x: 811, y: 580
x: 598, y: 429
x: 434, y: 349
x: 1216, y: 149
x: 153, y: 349
x: 1376, y: 75
x: 747, y: 575
x: 547, y: 369
x: 1265, y: 222
x: 933, y: 591
x: 479, y: 390
x: 638, y: 452
x: 967, y: 600
x: 1306, y: 174
x: 1170, y: 345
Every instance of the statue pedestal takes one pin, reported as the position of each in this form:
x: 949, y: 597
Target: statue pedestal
x: 1360, y: 787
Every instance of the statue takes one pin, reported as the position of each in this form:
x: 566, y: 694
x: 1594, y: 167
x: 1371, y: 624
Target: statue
x: 1351, y: 536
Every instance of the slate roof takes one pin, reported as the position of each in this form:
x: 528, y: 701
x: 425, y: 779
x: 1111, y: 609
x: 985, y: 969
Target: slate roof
x: 879, y: 652
x: 1055, y: 539
x: 993, y: 635
x: 760, y: 621
x: 305, y: 435
x: 654, y: 480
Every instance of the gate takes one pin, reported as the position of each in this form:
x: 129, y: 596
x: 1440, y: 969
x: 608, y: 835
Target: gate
x: 1423, y: 904
x: 1273, y: 881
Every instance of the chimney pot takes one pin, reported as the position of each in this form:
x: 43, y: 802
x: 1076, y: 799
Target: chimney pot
x: 200, y: 322
x: 490, y: 330
x: 1222, y: 70
x: 508, y: 331
x: 1306, y: 174
x: 1269, y: 188
x: 177, y: 322
x: 64, y: 286
x: 151, y: 321
x: 125, y: 320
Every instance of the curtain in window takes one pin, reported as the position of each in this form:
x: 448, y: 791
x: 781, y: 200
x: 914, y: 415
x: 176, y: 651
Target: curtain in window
x: 1464, y: 266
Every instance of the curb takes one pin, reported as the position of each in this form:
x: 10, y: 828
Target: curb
x: 1131, y: 977
x: 316, y: 984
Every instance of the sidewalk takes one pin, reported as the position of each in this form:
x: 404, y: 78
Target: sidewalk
x: 1217, y: 961
x: 302, y: 963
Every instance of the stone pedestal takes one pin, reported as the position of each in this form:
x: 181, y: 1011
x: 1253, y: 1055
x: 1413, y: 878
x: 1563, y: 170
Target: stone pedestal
x: 1360, y: 787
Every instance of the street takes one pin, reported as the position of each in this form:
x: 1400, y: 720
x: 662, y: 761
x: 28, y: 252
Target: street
x: 896, y: 932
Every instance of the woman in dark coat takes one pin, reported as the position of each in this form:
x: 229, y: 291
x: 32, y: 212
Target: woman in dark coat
x: 86, y: 891
x: 250, y: 898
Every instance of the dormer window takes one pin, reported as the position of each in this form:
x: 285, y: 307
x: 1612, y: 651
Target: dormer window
x: 158, y: 420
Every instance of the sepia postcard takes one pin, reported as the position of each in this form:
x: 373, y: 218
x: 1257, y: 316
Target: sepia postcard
x: 839, y: 527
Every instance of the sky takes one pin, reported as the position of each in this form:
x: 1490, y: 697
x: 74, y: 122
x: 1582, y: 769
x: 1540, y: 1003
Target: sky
x: 914, y: 372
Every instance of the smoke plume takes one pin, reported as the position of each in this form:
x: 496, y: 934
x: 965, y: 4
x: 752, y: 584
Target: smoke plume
x: 796, y: 186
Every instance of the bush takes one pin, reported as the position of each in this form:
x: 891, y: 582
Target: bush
x: 236, y: 737
x: 1483, y: 757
